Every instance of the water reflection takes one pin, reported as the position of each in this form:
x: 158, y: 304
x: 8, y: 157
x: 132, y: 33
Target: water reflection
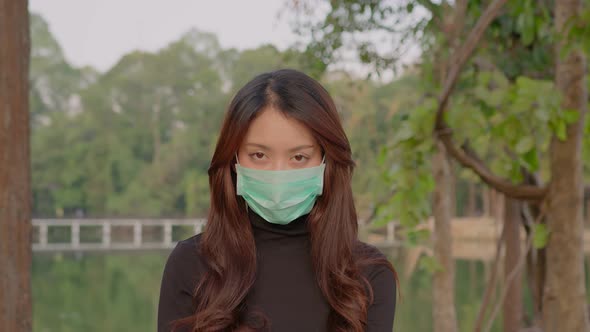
x: 119, y: 292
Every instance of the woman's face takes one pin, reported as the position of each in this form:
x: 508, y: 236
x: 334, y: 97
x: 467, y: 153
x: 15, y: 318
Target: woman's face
x: 277, y: 142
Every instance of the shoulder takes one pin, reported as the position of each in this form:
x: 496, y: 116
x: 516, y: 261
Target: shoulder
x: 375, y: 266
x: 181, y: 275
x: 184, y: 262
x: 190, y: 244
x: 186, y: 251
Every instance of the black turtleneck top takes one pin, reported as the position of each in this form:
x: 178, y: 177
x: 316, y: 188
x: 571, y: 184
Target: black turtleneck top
x: 285, y: 289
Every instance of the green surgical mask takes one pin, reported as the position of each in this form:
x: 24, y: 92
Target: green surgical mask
x: 280, y: 196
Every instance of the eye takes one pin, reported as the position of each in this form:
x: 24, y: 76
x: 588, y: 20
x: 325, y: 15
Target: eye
x: 257, y: 155
x: 300, y: 158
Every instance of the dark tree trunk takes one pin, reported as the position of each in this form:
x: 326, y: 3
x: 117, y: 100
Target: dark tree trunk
x: 471, y: 200
x: 485, y: 197
x: 15, y: 183
x: 513, y: 304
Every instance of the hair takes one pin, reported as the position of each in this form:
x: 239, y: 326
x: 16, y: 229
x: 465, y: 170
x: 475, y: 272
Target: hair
x: 227, y: 245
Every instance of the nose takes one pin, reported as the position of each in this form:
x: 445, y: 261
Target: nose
x: 280, y: 165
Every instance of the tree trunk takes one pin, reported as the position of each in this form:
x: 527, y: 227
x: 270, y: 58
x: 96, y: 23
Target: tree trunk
x: 564, y: 300
x: 513, y: 301
x: 15, y: 183
x: 445, y: 319
x: 496, y: 205
x: 536, y: 260
x: 485, y: 197
x: 471, y: 200
x: 536, y: 269
x: 453, y: 191
x: 444, y: 202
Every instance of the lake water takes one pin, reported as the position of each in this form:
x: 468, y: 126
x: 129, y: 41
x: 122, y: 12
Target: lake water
x: 119, y: 292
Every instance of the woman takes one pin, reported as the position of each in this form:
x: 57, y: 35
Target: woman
x: 280, y: 250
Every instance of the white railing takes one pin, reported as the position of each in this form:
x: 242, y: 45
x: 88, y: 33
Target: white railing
x: 161, y: 228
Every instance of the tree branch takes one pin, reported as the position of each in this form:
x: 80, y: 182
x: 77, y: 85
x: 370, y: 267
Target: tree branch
x: 465, y: 52
x: 380, y: 203
x: 491, y: 285
x: 467, y: 157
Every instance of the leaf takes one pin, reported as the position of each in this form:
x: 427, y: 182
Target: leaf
x: 525, y: 144
x: 560, y: 130
x: 543, y: 113
x: 404, y: 132
x: 570, y: 116
x: 430, y: 264
x: 540, y: 236
x: 528, y: 29
x: 515, y: 173
x: 496, y: 97
x: 382, y: 156
x: 417, y: 236
x: 531, y: 160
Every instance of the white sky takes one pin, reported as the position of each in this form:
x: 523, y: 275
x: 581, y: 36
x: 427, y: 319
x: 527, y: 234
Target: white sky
x: 99, y: 32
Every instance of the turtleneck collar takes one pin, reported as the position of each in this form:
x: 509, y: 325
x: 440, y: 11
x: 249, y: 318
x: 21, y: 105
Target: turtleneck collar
x: 295, y: 227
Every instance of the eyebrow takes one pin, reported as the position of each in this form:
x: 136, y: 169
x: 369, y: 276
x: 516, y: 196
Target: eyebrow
x: 297, y: 148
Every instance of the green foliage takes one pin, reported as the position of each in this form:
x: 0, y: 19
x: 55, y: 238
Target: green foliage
x: 54, y: 83
x: 409, y: 173
x: 415, y: 236
x: 508, y: 123
x: 586, y: 148
x: 139, y: 141
x: 580, y: 31
x: 347, y: 25
x: 430, y: 264
x: 577, y: 33
x: 265, y: 58
x: 524, y: 31
x: 540, y: 235
x: 505, y: 106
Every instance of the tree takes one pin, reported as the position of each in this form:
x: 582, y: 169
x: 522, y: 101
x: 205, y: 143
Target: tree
x: 54, y: 84
x: 503, y: 109
x: 564, y: 298
x: 149, y: 122
x: 15, y: 186
x: 352, y: 17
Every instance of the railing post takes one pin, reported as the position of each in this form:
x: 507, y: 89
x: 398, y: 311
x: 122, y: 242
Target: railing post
x: 167, y: 233
x: 75, y: 234
x: 43, y: 235
x: 106, y: 234
x: 137, y: 234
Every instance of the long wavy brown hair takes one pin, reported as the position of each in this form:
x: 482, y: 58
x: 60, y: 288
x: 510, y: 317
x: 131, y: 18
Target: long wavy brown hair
x: 227, y: 244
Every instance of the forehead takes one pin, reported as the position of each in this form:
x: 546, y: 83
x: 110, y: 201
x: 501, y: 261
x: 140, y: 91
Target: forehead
x: 276, y: 130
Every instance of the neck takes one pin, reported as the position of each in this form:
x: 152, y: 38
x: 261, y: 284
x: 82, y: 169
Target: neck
x: 295, y: 227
